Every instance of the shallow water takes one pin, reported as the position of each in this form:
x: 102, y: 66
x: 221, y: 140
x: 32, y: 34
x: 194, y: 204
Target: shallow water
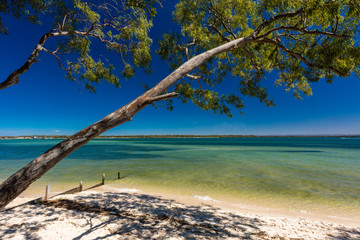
x: 304, y: 173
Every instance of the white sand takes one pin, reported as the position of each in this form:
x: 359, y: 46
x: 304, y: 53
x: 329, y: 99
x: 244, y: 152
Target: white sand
x: 125, y: 214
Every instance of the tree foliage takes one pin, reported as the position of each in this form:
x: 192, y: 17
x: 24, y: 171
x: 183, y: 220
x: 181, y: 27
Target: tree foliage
x: 28, y: 9
x: 122, y: 26
x: 298, y: 42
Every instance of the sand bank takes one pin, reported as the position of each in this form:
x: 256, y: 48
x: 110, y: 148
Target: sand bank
x: 129, y: 214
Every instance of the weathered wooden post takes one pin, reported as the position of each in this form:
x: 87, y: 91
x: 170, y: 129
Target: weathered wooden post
x: 81, y: 186
x: 103, y: 179
x: 47, y: 192
x: 119, y: 175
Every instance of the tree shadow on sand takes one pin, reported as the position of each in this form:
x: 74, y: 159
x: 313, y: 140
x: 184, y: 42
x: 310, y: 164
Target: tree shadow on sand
x: 132, y: 216
x: 135, y: 216
x: 146, y: 217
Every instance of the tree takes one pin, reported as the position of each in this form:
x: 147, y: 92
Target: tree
x: 302, y: 41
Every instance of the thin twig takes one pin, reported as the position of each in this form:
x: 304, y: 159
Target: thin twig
x: 58, y: 59
x: 68, y: 71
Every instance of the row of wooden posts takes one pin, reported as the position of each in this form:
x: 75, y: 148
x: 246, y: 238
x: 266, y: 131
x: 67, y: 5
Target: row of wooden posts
x: 47, y: 190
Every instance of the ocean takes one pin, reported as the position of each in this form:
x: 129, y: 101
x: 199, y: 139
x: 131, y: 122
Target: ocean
x: 312, y: 174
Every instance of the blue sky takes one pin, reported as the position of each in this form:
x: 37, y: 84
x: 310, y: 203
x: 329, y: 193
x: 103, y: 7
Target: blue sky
x: 46, y: 103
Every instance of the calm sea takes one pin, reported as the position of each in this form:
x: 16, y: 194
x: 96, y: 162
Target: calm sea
x: 305, y: 173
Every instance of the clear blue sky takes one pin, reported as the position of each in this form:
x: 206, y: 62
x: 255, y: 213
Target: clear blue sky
x: 46, y: 103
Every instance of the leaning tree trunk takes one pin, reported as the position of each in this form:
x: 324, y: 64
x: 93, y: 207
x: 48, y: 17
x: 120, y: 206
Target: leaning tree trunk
x: 20, y: 181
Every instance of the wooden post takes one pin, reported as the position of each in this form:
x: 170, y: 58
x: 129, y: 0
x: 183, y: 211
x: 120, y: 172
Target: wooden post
x: 103, y: 179
x: 119, y: 175
x: 47, y: 192
x: 81, y: 186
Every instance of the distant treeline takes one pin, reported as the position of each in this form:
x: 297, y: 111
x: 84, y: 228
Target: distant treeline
x: 169, y: 136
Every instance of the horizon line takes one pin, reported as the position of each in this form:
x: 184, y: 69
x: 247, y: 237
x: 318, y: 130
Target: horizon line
x: 187, y: 135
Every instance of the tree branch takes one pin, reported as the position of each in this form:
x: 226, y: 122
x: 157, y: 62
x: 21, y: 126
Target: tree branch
x: 276, y: 18
x: 197, y: 78
x: 219, y: 16
x: 301, y: 57
x: 305, y: 31
x: 162, y: 97
x: 226, y: 39
x: 58, y: 59
x: 186, y: 48
x: 112, y: 44
x: 13, y: 78
x: 292, y: 37
x: 68, y: 71
x: 192, y: 76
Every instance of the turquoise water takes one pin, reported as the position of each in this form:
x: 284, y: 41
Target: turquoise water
x: 285, y: 171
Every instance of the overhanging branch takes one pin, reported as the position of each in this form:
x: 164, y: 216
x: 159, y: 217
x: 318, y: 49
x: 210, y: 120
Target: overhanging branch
x: 13, y: 78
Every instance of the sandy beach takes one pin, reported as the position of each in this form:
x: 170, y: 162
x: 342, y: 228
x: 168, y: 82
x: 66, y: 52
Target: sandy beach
x: 132, y: 214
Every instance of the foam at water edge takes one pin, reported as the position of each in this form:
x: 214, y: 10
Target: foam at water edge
x: 132, y: 190
x: 127, y: 190
x: 205, y: 198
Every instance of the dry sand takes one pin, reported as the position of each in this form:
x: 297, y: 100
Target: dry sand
x: 122, y: 214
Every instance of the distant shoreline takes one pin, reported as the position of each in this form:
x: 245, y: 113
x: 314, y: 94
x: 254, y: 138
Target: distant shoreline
x: 175, y: 136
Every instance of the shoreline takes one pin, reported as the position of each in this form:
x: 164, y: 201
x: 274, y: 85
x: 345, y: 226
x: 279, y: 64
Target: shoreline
x: 119, y: 213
